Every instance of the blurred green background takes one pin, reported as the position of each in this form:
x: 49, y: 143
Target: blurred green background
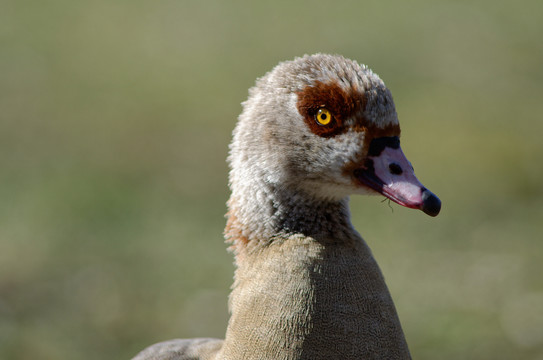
x: 115, y: 119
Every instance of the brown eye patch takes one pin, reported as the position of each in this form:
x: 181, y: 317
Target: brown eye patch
x: 332, y: 97
x: 342, y: 105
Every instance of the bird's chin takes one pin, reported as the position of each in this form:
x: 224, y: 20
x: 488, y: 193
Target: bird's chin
x: 333, y: 190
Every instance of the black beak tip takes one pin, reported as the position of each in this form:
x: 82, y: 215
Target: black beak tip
x: 431, y: 205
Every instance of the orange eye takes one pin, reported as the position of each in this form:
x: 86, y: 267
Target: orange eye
x: 323, y: 116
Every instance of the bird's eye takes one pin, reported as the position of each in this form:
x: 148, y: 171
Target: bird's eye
x: 323, y: 116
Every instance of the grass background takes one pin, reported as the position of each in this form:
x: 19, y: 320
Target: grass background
x: 115, y: 119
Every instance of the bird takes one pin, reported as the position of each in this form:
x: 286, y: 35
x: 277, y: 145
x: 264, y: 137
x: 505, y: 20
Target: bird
x: 314, y: 131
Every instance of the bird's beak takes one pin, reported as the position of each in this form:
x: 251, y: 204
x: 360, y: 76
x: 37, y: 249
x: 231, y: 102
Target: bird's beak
x: 387, y: 171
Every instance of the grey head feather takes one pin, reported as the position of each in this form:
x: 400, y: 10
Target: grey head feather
x: 274, y: 154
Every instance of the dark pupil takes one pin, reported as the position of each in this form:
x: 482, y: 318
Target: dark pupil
x: 323, y: 116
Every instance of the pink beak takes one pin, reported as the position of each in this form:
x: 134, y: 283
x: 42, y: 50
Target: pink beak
x: 388, y: 172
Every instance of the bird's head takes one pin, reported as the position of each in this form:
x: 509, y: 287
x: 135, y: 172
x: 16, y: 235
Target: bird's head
x: 326, y: 126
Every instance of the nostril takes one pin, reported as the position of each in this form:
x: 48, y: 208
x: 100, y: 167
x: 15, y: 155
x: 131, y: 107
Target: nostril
x: 395, y: 169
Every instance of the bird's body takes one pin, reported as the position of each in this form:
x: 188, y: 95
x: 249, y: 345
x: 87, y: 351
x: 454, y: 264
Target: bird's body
x: 313, y: 131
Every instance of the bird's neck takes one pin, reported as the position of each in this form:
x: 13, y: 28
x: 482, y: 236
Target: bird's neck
x: 260, y: 211
x: 309, y: 291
